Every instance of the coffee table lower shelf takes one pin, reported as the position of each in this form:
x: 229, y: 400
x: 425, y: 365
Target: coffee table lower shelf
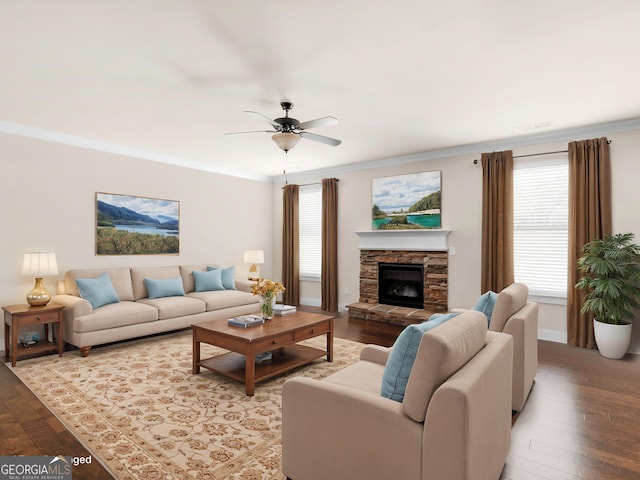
x: 233, y: 364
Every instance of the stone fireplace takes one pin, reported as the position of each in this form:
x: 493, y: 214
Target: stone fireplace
x: 406, y: 284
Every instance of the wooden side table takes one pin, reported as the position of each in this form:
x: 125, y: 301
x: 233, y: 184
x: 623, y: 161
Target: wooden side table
x: 18, y: 316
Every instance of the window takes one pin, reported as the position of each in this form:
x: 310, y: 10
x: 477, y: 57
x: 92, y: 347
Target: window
x: 310, y: 224
x: 540, y: 211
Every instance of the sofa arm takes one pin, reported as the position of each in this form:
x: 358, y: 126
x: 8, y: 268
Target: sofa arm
x: 75, y: 306
x: 469, y: 416
x: 330, y: 430
x: 375, y: 354
x: 243, y: 285
x: 523, y: 327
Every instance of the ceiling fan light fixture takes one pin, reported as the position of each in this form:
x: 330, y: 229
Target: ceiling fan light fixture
x: 286, y: 140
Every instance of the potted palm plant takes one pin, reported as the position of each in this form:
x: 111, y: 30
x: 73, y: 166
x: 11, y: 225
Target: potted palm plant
x: 610, y: 269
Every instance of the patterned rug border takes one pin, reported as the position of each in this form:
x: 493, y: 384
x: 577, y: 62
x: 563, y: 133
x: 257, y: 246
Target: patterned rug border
x: 255, y: 453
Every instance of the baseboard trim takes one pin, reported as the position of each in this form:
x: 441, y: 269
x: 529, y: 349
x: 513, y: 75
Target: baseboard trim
x: 552, y: 336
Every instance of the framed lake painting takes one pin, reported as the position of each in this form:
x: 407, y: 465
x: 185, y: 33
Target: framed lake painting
x: 130, y: 225
x: 406, y: 202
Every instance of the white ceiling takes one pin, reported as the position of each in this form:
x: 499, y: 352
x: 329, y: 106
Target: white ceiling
x: 166, y: 79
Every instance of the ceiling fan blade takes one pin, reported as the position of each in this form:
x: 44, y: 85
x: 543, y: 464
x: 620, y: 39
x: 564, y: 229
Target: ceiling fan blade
x: 251, y: 131
x: 265, y: 118
x: 321, y: 138
x: 318, y: 122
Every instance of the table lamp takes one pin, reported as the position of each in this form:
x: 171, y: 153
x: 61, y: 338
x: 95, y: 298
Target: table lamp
x: 254, y: 257
x: 39, y: 265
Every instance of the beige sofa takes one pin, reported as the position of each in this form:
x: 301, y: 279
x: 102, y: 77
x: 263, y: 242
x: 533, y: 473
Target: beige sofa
x: 514, y: 314
x: 136, y: 315
x: 454, y: 422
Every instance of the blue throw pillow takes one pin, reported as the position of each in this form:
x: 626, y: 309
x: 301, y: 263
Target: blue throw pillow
x: 485, y: 304
x: 169, y: 287
x: 403, y: 355
x: 97, y: 291
x: 228, y: 276
x: 208, y: 281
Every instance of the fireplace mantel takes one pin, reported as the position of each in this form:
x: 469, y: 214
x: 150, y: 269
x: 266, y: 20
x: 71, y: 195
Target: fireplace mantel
x: 414, y: 240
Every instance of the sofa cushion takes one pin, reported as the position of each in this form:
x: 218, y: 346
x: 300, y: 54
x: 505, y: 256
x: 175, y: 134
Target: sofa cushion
x: 97, y: 291
x: 139, y: 274
x: 186, y: 272
x: 120, y: 279
x: 403, y: 355
x: 208, y: 281
x: 115, y: 315
x: 442, y: 352
x: 175, y: 306
x: 228, y: 276
x: 166, y: 287
x: 219, y: 299
x: 485, y: 304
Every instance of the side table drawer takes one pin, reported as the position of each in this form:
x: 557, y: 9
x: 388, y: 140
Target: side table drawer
x: 275, y: 342
x: 311, y: 332
x: 38, y: 318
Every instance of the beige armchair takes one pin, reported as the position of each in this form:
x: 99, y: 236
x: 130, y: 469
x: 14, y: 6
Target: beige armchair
x: 515, y: 315
x: 454, y: 422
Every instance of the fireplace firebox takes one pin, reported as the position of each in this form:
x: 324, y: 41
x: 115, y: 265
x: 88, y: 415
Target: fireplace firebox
x: 401, y: 284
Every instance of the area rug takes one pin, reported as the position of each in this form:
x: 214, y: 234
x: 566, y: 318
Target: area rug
x: 138, y: 408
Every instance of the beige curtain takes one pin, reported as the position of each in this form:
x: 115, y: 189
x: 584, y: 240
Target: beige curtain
x: 497, y: 221
x: 589, y: 218
x: 329, y: 274
x: 290, y: 245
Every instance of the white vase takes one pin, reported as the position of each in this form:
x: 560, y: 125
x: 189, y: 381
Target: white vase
x: 613, y: 340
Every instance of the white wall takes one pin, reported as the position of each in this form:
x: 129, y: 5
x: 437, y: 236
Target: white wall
x: 48, y: 191
x: 47, y: 198
x: 461, y: 213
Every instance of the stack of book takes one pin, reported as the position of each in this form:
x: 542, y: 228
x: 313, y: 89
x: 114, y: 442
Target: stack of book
x: 245, y: 321
x: 280, y: 309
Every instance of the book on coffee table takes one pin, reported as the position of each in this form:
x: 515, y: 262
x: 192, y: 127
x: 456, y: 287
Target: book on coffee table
x: 281, y: 309
x: 245, y: 321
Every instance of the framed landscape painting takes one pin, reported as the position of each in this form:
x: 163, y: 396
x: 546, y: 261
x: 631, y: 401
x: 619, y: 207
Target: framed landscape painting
x: 406, y: 202
x: 130, y: 225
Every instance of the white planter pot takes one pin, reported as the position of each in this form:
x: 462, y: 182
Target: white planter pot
x: 613, y: 340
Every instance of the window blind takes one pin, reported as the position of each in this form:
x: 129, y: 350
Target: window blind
x: 540, y: 196
x: 310, y: 231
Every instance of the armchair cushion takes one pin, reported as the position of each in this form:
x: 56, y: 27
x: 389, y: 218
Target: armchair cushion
x: 403, y: 355
x: 486, y: 304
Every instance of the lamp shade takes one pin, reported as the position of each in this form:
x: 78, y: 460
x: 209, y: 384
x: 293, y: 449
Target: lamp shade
x: 254, y: 256
x: 286, y: 140
x: 39, y: 264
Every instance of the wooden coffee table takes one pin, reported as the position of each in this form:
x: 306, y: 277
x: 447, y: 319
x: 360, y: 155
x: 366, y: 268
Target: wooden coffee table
x: 279, y: 335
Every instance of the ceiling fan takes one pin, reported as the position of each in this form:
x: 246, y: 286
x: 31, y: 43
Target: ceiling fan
x: 288, y: 131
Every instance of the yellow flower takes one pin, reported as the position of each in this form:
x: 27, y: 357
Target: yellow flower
x: 264, y: 288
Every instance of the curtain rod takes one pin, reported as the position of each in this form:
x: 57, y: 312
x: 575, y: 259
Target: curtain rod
x: 476, y: 161
x: 309, y: 184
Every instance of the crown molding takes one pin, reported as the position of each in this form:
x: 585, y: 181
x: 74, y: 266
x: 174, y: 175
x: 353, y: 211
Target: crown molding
x: 90, y: 144
x: 511, y: 143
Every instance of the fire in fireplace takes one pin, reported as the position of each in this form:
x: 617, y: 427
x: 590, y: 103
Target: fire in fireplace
x: 401, y: 284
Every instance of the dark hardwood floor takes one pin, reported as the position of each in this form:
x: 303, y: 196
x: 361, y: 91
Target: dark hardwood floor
x: 582, y: 419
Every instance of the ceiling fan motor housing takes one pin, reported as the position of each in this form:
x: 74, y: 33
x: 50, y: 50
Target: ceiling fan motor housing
x: 288, y: 124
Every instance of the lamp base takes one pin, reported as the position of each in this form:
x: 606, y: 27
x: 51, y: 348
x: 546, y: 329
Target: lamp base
x: 39, y: 296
